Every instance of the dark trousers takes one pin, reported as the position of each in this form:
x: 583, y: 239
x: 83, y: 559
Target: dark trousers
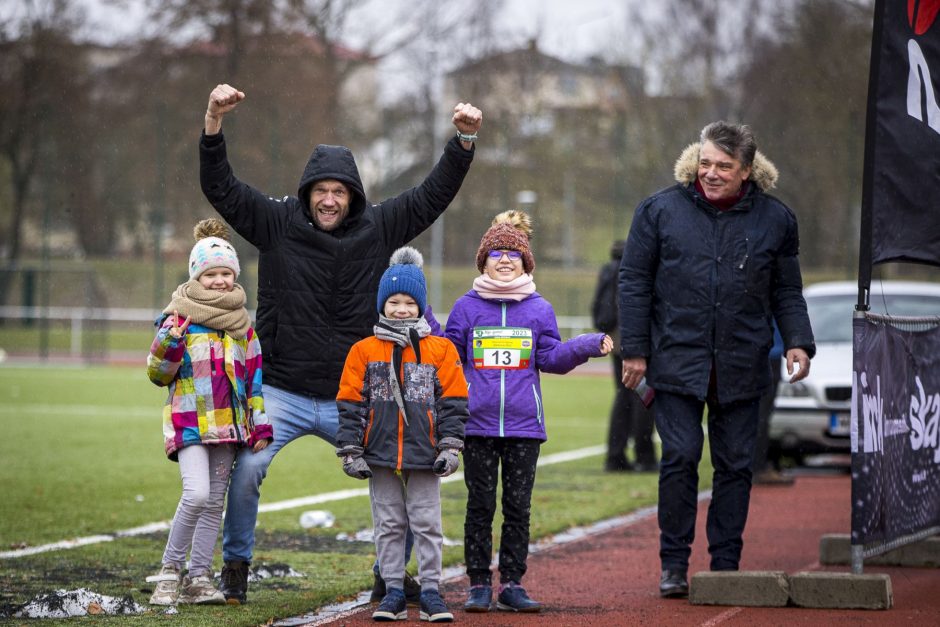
x: 764, y: 458
x: 732, y: 429
x: 482, y: 458
x: 628, y: 417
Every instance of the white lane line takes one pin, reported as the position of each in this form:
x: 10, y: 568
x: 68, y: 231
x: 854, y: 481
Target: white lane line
x: 82, y: 410
x: 315, y: 499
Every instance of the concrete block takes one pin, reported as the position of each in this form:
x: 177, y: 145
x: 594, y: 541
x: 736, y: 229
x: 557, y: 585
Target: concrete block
x: 835, y: 549
x: 756, y: 588
x: 841, y: 590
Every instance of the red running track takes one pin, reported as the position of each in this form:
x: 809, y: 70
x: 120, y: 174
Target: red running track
x: 612, y: 578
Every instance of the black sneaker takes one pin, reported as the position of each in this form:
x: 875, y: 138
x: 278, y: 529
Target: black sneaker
x: 392, y: 607
x: 513, y: 598
x: 433, y: 608
x: 378, y: 589
x: 412, y: 590
x: 673, y: 584
x: 479, y: 599
x: 234, y: 584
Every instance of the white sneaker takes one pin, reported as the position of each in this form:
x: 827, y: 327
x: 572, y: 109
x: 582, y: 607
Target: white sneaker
x: 167, y: 589
x: 200, y: 590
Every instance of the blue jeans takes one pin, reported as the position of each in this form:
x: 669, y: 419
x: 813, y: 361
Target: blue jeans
x: 732, y: 430
x: 292, y: 416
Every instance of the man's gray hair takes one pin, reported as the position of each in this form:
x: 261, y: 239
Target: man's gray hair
x: 735, y: 139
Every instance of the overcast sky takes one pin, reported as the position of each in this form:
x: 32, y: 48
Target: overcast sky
x: 569, y: 29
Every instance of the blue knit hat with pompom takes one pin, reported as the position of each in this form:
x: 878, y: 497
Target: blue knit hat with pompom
x: 404, y: 276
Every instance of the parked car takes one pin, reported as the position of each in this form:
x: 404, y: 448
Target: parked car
x: 812, y: 416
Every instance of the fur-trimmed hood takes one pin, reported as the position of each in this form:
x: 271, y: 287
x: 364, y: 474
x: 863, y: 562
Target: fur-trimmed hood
x: 763, y: 171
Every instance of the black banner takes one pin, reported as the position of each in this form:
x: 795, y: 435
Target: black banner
x: 902, y: 169
x: 895, y: 423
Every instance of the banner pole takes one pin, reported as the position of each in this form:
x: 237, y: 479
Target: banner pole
x: 871, y: 116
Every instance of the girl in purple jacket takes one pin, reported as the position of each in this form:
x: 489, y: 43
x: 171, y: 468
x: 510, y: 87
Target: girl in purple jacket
x: 505, y: 333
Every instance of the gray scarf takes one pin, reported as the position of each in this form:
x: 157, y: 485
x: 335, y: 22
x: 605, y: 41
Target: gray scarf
x: 401, y: 333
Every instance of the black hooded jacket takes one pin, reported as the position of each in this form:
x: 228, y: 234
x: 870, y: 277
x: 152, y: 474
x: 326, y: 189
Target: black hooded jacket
x: 317, y: 289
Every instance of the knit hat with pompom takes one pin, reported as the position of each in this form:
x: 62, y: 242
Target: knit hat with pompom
x: 510, y: 231
x: 213, y: 249
x: 404, y: 276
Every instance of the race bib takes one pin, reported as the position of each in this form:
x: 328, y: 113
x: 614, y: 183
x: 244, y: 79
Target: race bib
x: 503, y: 348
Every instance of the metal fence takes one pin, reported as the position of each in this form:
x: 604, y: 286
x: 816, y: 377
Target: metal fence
x: 90, y: 331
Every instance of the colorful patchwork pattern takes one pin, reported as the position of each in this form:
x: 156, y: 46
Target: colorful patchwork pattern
x: 214, y: 385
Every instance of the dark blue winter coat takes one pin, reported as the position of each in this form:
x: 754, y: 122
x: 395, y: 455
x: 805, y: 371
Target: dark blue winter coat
x: 699, y: 286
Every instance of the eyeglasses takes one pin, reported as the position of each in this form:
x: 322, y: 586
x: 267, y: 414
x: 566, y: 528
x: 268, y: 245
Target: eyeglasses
x: 514, y: 255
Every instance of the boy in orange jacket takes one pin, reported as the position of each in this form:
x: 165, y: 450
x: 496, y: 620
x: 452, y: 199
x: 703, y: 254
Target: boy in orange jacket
x: 402, y: 407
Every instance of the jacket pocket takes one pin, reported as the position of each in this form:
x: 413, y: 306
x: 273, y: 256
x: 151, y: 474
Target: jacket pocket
x: 538, y: 404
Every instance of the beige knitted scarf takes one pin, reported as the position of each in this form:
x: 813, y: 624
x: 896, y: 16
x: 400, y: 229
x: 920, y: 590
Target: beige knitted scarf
x: 224, y: 311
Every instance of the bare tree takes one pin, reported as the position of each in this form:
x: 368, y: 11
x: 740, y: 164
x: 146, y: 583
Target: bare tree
x: 804, y: 92
x: 38, y: 61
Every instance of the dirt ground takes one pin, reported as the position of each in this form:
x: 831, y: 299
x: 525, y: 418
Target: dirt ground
x: 612, y: 578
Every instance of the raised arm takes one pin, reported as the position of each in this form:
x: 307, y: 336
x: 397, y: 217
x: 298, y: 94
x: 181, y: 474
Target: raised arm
x: 223, y: 99
x: 255, y: 216
x: 407, y: 215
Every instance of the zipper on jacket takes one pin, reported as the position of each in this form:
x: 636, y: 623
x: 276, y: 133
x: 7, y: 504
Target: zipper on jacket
x: 233, y: 395
x: 431, y: 428
x: 401, y: 440
x: 538, y: 404
x: 502, y: 387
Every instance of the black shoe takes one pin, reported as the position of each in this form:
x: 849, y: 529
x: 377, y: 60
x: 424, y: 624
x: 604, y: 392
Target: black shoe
x: 673, y: 584
x: 646, y: 467
x: 412, y: 590
x: 617, y: 464
x: 378, y: 589
x: 234, y: 583
x: 772, y: 477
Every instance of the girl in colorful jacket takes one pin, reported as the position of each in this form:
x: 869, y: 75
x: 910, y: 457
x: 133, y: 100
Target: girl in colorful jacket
x: 402, y: 406
x: 209, y: 358
x: 505, y: 333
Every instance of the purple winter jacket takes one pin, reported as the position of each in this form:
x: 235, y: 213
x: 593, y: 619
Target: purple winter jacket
x: 507, y: 402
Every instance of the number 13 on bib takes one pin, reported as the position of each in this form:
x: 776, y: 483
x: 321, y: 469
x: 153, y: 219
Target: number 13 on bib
x: 502, y: 348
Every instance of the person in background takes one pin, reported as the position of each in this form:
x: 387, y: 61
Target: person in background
x: 628, y: 415
x: 210, y: 363
x: 402, y: 406
x: 709, y: 264
x: 322, y: 253
x: 506, y: 333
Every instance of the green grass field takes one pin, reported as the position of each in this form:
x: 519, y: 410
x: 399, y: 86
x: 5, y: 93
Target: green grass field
x: 83, y: 455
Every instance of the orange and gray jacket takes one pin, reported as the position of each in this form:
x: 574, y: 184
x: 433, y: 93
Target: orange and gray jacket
x: 434, y: 393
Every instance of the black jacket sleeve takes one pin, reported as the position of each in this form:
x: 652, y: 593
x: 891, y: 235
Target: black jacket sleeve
x: 407, y: 215
x: 256, y: 217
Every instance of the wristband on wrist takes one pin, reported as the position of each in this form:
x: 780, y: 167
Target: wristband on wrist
x: 466, y: 138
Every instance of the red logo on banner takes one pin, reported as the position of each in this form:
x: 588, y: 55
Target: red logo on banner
x: 921, y: 14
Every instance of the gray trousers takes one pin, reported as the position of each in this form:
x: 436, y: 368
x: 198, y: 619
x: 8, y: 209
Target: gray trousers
x: 205, y: 471
x: 412, y: 498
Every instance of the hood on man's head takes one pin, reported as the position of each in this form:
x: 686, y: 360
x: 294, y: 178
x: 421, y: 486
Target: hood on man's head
x: 763, y: 172
x: 337, y: 163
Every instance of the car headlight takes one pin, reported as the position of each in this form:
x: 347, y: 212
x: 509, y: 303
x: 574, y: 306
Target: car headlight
x: 794, y: 390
